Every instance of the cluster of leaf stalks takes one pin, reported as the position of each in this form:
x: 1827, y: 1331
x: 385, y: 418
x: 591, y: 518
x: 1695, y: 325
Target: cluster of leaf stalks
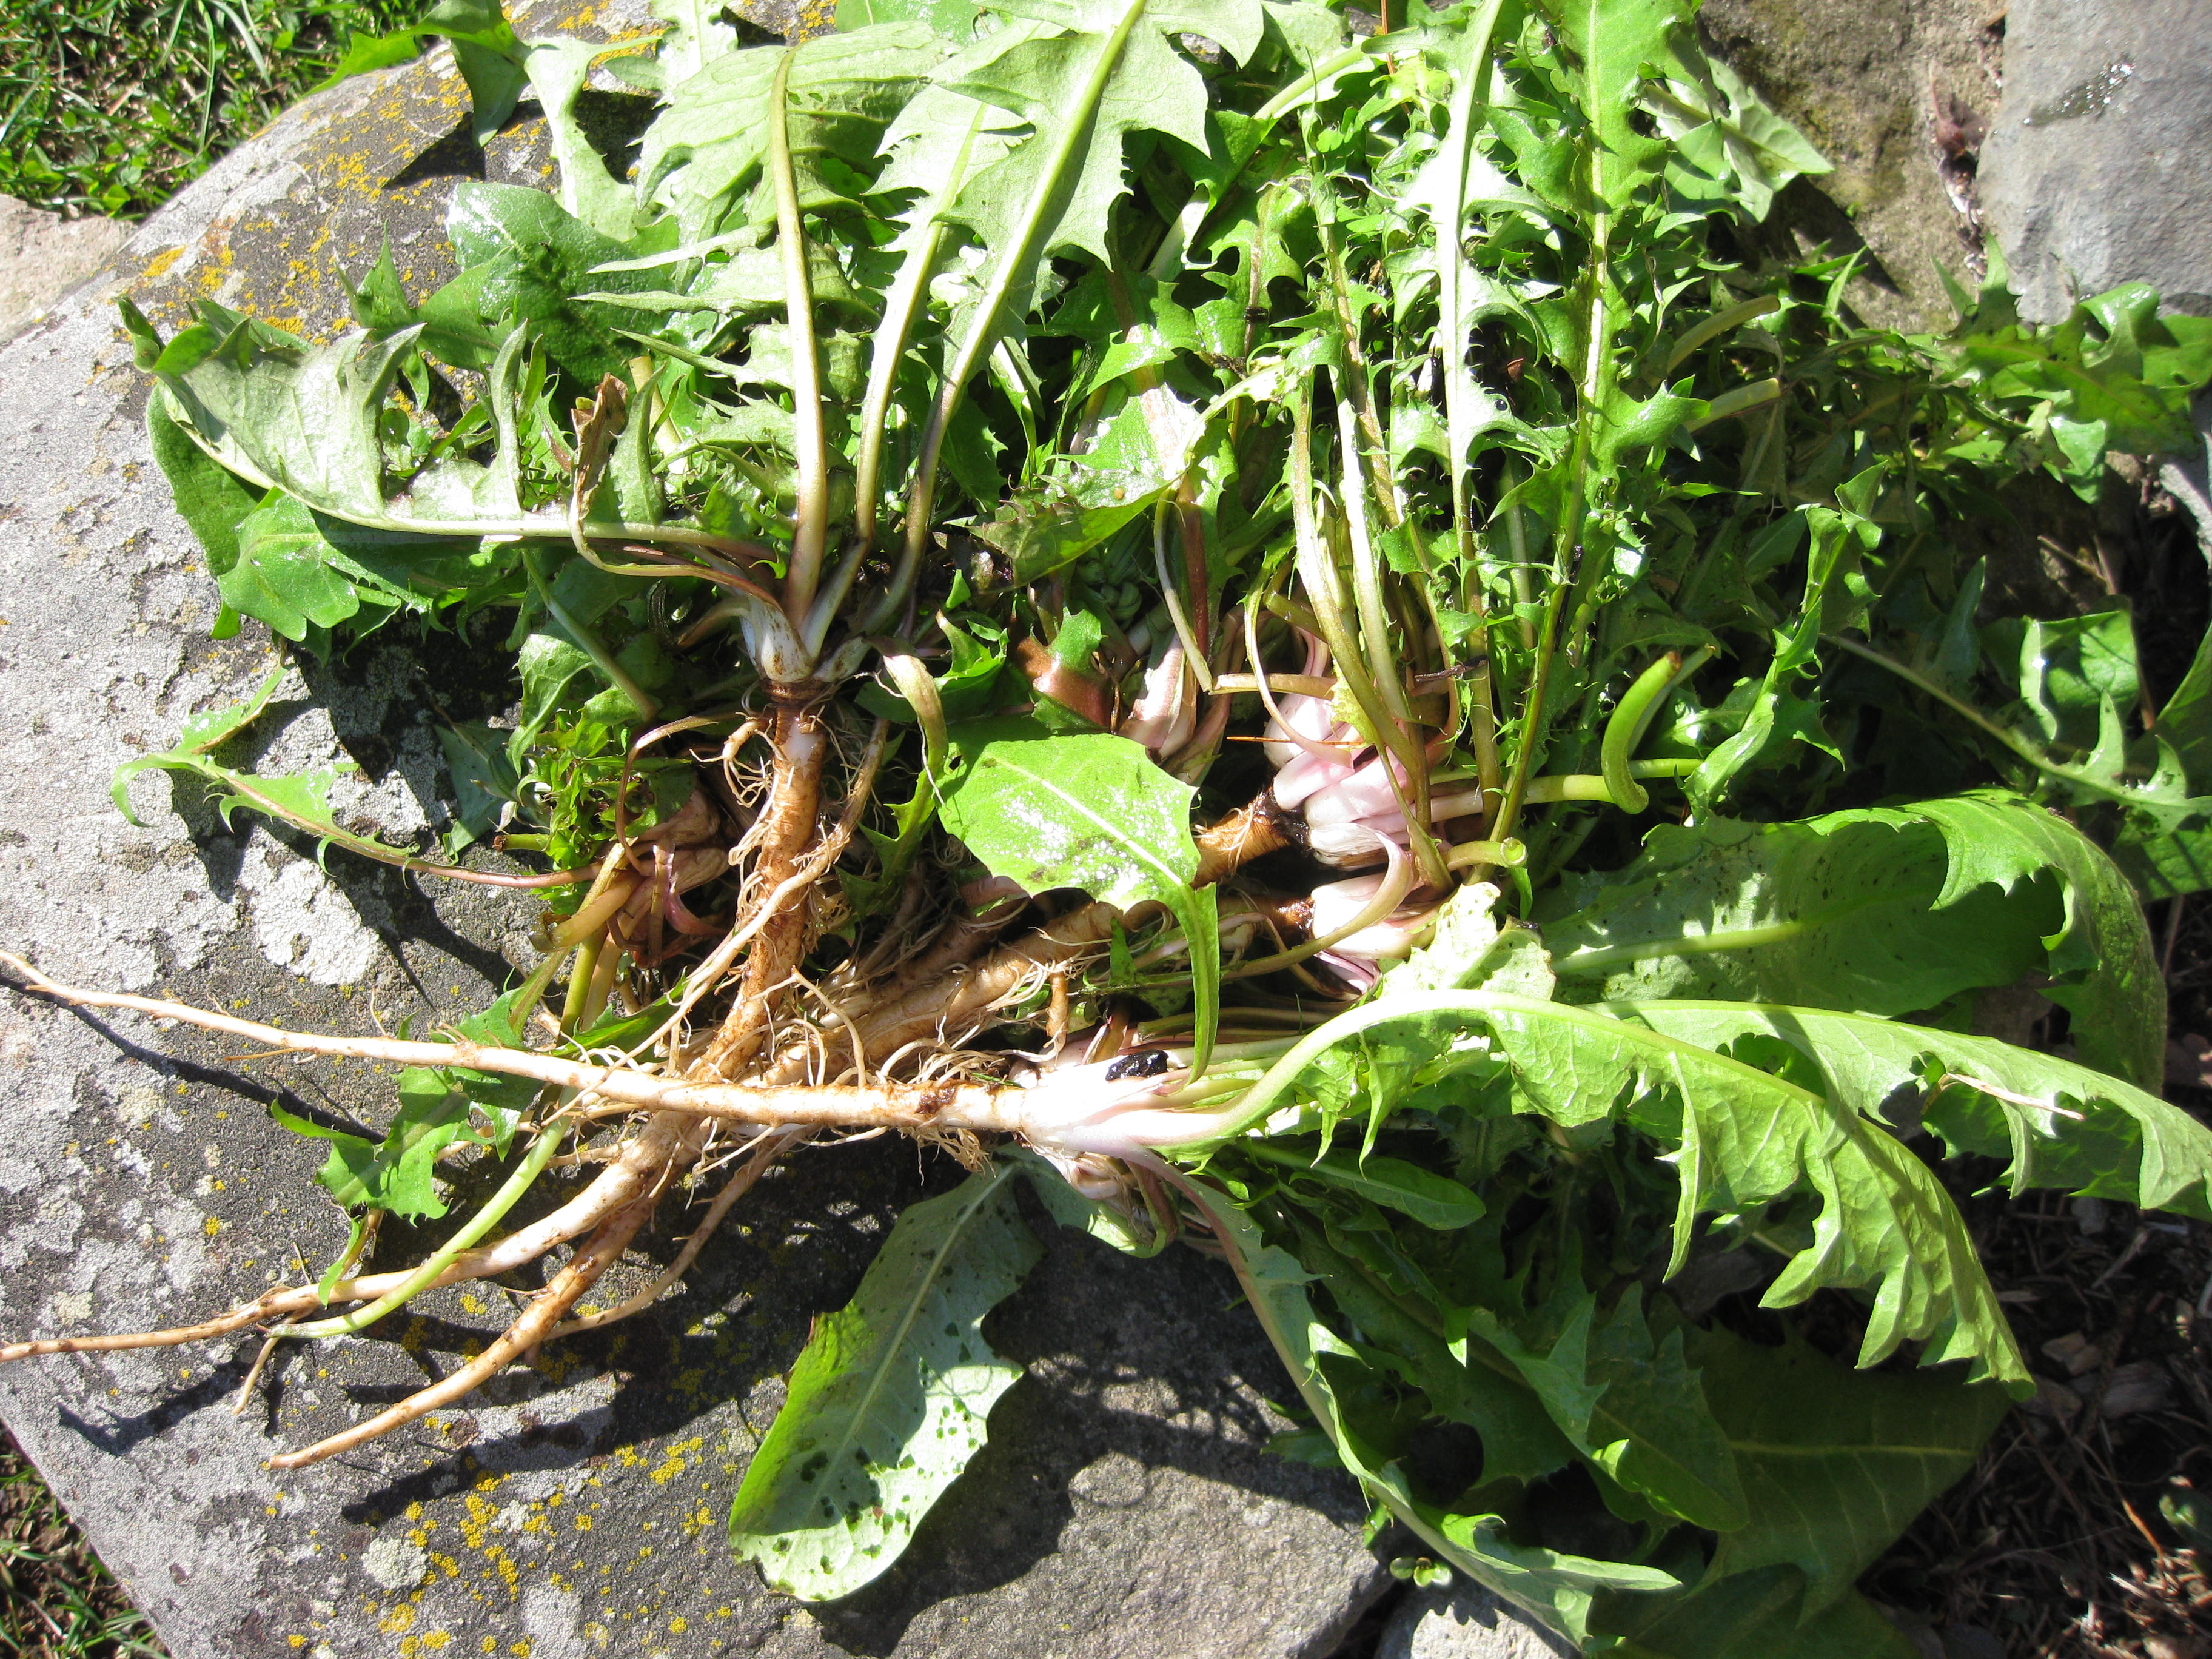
x: 1285, y: 635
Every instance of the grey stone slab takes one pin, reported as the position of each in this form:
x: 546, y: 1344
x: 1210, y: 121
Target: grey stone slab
x: 1125, y: 1507
x: 1465, y: 1621
x: 43, y: 256
x: 2098, y: 167
x: 1867, y: 82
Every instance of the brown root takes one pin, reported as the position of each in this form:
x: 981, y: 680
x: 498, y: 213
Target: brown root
x: 934, y: 1007
x: 1249, y: 832
x: 774, y: 1145
x: 779, y: 923
x: 601, y: 1252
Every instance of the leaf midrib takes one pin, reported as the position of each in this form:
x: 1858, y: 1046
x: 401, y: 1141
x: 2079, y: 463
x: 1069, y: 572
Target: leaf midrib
x: 892, y: 1347
x: 1593, y: 963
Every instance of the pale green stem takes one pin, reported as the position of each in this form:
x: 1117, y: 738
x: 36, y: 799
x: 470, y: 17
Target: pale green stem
x: 1367, y: 579
x: 1590, y: 786
x: 902, y: 305
x: 809, y: 451
x: 588, y: 642
x: 1631, y: 719
x: 1317, y: 574
x: 1389, y: 896
x: 1171, y: 592
x: 1452, y: 238
x: 1720, y: 323
x: 510, y: 1193
x: 1739, y: 401
x: 984, y: 324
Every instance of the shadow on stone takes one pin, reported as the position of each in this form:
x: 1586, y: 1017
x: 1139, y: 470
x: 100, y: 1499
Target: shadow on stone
x: 122, y: 1434
x: 456, y: 155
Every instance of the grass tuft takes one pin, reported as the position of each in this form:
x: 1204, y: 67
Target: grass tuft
x: 113, y: 105
x: 57, y: 1602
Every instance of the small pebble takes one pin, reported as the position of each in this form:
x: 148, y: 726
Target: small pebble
x: 2142, y: 1386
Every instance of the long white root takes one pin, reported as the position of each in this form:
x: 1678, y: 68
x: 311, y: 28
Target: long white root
x: 984, y: 1108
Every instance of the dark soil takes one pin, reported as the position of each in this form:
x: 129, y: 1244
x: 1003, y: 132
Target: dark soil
x: 2086, y: 1527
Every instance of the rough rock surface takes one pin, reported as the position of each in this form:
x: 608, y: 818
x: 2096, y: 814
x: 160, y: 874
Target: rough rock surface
x: 1465, y: 1621
x: 1125, y: 1506
x: 43, y: 256
x: 1879, y: 86
x: 2098, y: 167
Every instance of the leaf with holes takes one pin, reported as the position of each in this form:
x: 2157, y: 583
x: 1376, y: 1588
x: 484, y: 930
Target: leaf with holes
x: 887, y: 1402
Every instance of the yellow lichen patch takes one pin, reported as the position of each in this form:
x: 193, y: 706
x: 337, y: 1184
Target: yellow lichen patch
x: 398, y: 1620
x: 478, y: 1521
x: 671, y: 1463
x: 509, y: 1574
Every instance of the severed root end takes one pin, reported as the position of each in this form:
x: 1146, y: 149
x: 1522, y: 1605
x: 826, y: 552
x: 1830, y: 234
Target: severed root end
x: 1228, y: 844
